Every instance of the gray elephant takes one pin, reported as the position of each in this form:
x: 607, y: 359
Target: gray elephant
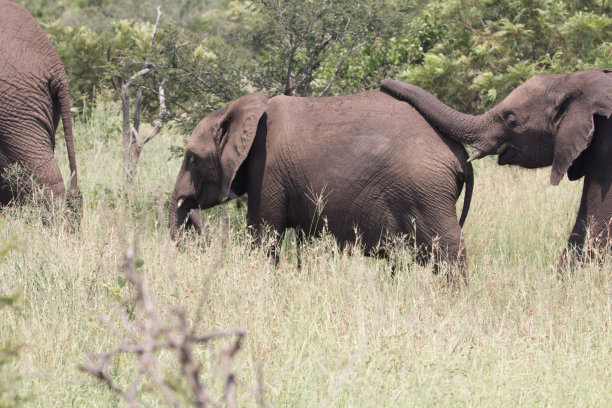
x: 33, y: 97
x: 364, y: 161
x: 563, y: 120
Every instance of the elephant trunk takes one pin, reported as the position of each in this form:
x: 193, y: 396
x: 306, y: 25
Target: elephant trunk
x: 182, y: 215
x: 464, y: 128
x: 176, y: 217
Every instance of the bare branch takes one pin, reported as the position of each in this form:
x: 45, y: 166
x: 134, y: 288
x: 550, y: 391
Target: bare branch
x: 227, y: 356
x: 132, y: 144
x: 96, y: 369
x: 144, y: 71
x: 138, y: 111
x: 159, y: 13
x: 162, y: 114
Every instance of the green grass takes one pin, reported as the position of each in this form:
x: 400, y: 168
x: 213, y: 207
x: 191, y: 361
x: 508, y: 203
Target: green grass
x: 340, y: 332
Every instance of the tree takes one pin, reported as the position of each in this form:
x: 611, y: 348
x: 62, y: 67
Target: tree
x: 295, y: 39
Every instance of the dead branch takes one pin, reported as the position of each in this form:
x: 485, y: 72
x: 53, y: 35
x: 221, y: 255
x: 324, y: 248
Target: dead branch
x: 132, y: 143
x: 138, y: 143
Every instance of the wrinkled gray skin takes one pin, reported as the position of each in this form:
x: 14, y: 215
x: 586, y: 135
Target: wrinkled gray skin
x: 365, y: 161
x: 33, y: 97
x: 563, y: 120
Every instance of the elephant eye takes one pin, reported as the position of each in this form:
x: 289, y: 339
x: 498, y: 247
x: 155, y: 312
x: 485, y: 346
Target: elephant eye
x: 192, y: 159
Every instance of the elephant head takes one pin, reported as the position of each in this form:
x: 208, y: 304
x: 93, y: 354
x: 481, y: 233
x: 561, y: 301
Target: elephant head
x: 548, y: 120
x: 215, y: 152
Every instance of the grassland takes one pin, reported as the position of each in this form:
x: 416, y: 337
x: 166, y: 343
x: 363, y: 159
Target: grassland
x: 340, y: 332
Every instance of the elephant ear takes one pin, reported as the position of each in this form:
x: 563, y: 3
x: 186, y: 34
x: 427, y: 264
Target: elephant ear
x: 585, y: 94
x: 238, y: 127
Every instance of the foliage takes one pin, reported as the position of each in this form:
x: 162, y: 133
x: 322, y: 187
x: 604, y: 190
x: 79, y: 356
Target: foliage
x: 296, y: 38
x: 200, y: 73
x: 97, y: 14
x: 470, y: 53
x: 493, y: 46
x: 386, y: 56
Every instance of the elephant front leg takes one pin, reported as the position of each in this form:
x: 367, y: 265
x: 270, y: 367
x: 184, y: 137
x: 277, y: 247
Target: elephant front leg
x: 573, y: 251
x: 591, y: 235
x: 270, y: 235
x: 267, y: 220
x: 271, y: 239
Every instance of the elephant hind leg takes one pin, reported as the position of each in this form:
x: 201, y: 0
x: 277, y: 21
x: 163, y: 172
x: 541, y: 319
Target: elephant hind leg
x: 41, y: 184
x: 49, y: 178
x: 446, y: 249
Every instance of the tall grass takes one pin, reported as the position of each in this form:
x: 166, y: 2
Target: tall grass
x: 341, y: 331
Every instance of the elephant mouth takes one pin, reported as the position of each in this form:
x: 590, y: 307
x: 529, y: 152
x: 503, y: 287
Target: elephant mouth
x: 505, y: 155
x: 184, y: 204
x: 195, y: 221
x: 188, y: 213
x: 513, y: 156
x: 187, y: 218
x: 476, y: 156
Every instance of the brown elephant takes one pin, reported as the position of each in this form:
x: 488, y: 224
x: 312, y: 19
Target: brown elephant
x: 33, y: 97
x: 563, y: 120
x: 364, y: 161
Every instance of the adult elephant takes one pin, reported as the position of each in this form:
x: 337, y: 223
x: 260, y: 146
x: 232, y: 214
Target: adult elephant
x: 33, y: 97
x: 563, y: 120
x: 364, y: 161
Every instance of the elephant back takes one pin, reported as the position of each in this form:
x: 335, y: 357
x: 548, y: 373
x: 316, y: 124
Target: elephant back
x: 24, y: 46
x: 30, y: 74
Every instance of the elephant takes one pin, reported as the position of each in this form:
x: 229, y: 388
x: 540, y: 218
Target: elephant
x: 364, y: 162
x: 558, y: 120
x: 33, y: 97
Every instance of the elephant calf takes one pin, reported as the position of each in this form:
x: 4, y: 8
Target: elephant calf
x: 33, y: 97
x: 366, y: 161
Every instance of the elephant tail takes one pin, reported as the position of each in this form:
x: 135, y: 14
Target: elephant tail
x: 74, y: 197
x: 468, y: 179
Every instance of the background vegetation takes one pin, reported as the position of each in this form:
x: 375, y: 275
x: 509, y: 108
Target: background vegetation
x: 470, y: 53
x: 340, y: 332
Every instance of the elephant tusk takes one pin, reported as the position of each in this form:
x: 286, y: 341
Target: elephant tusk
x: 476, y: 156
x: 180, y: 203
